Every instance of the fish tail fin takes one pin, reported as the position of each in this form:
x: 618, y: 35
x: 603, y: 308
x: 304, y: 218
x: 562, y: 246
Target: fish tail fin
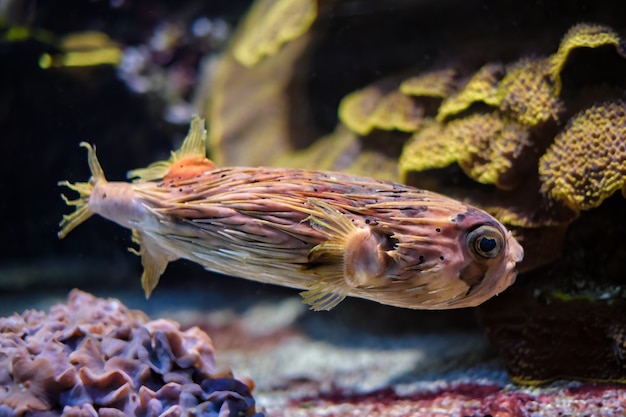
x: 82, y: 211
x: 326, y: 260
x: 186, y: 162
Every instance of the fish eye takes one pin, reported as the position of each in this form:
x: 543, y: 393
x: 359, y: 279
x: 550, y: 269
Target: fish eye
x: 485, y: 241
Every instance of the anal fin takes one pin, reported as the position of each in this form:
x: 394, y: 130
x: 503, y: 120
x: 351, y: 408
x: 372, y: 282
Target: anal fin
x: 152, y: 260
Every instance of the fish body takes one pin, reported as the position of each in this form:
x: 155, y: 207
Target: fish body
x: 331, y: 234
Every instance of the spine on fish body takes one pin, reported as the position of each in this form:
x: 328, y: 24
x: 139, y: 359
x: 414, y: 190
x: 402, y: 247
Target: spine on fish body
x: 329, y: 233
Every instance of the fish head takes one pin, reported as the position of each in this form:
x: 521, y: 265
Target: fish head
x: 491, y: 255
x: 445, y: 256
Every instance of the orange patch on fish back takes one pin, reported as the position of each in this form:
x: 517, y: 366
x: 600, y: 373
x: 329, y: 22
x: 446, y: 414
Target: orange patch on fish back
x: 188, y: 168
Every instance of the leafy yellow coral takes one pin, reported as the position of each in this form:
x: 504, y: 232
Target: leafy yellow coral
x: 527, y: 93
x: 489, y: 148
x: 438, y: 83
x: 583, y: 35
x: 380, y: 106
x: 429, y: 148
x: 587, y: 161
x: 481, y: 87
x: 397, y: 111
x: 493, y: 150
x: 269, y: 25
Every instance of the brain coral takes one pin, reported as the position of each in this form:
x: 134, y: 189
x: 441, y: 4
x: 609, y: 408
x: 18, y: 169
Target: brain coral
x: 95, y: 357
x: 587, y: 161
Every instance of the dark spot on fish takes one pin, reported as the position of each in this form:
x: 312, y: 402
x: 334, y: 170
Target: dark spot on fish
x: 180, y: 189
x: 460, y: 217
x: 438, y: 230
x: 414, y: 211
x: 314, y: 189
x: 367, y: 221
x: 104, y: 196
x: 441, y: 257
x: 421, y: 258
x: 222, y: 176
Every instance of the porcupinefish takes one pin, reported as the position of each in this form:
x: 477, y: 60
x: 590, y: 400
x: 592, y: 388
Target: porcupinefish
x: 331, y: 234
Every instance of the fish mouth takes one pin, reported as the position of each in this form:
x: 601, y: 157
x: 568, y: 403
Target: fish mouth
x: 516, y: 250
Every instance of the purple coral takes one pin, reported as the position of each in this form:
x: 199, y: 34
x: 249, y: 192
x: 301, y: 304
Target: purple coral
x: 96, y: 357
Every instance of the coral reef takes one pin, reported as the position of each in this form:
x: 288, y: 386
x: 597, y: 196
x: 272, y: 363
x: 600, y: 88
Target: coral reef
x: 482, y: 87
x: 499, y: 142
x: 95, y: 357
x: 587, y: 161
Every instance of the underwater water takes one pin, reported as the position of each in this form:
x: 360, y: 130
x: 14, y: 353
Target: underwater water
x: 361, y: 357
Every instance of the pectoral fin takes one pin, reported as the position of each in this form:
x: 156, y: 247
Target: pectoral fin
x: 152, y: 260
x: 352, y: 257
x: 326, y: 293
x: 326, y: 260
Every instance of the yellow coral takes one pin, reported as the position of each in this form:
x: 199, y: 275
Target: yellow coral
x: 527, y: 93
x: 380, y: 106
x: 493, y: 150
x: 397, y: 111
x: 83, y: 49
x: 488, y: 148
x: 269, y: 25
x: 587, y: 161
x: 356, y: 109
x: 429, y: 148
x: 583, y: 35
x: 439, y: 83
x: 481, y: 87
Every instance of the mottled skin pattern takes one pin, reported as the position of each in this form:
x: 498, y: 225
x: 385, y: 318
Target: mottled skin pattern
x: 331, y: 233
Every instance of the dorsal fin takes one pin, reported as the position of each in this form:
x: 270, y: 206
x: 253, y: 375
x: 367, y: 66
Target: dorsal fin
x: 187, y: 162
